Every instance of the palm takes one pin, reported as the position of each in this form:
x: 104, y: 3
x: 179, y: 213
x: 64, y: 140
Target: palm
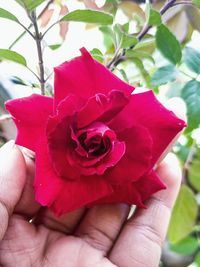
x: 99, y: 237
x: 28, y: 245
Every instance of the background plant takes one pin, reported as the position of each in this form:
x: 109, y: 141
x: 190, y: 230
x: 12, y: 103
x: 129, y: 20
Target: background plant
x: 153, y: 47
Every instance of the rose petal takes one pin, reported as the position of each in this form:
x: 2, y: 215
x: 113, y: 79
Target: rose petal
x: 102, y: 108
x: 149, y: 184
x: 62, y: 195
x: 47, y: 184
x: 147, y: 111
x: 126, y: 193
x: 100, y: 164
x: 30, y: 116
x: 134, y: 193
x: 85, y: 77
x: 137, y: 158
x: 112, y: 158
x: 96, y: 165
x: 76, y: 194
x: 59, y: 137
x: 96, y: 129
x: 58, y: 133
x: 68, y: 106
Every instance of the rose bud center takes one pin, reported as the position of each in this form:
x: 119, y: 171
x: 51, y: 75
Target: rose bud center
x: 94, y: 141
x: 94, y: 149
x: 96, y: 145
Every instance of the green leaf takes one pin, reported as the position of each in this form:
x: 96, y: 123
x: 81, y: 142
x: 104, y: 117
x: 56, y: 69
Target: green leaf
x: 196, y: 2
x: 186, y: 246
x: 96, y: 53
x: 183, y: 215
x: 119, y: 32
x: 123, y: 74
x: 139, y: 54
x: 174, y: 89
x: 197, y: 260
x: 54, y: 46
x: 194, y: 171
x: 191, y: 95
x: 144, y: 73
x: 128, y: 41
x: 124, y: 39
x: 89, y: 16
x: 6, y: 54
x: 168, y: 44
x: 164, y: 75
x: 192, y: 59
x: 146, y: 45
x: 17, y: 80
x: 125, y: 27
x: 7, y: 15
x: 153, y: 17
x: 109, y: 36
x: 29, y: 4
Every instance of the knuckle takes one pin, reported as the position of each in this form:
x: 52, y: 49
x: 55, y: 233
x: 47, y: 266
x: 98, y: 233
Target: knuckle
x: 97, y: 238
x: 148, y: 232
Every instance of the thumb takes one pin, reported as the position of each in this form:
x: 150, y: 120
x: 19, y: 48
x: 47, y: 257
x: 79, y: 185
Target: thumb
x: 12, y: 179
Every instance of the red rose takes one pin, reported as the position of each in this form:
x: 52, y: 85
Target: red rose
x: 95, y: 142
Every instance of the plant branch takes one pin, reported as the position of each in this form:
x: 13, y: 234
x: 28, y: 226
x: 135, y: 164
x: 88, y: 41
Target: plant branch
x: 38, y: 39
x: 120, y: 57
x: 50, y: 28
x: 147, y: 27
x: 31, y: 25
x: 190, y: 157
x: 188, y: 163
x: 115, y: 57
x: 183, y: 3
x: 49, y: 76
x: 33, y: 73
x: 26, y: 29
x: 184, y: 73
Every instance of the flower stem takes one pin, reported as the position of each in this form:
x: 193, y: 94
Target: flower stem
x: 183, y: 3
x: 30, y: 26
x: 147, y: 27
x: 50, y: 28
x: 184, y: 73
x: 188, y: 163
x: 38, y: 39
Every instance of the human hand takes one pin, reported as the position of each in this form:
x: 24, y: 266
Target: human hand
x: 97, y: 237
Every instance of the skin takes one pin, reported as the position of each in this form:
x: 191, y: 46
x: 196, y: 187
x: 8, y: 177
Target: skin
x: 98, y: 237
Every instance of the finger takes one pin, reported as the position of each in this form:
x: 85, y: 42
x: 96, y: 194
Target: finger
x: 65, y: 224
x: 102, y: 225
x: 12, y: 180
x: 141, y: 239
x: 27, y: 204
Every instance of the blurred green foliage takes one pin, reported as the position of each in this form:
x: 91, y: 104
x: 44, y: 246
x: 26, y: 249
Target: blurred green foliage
x: 151, y: 48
